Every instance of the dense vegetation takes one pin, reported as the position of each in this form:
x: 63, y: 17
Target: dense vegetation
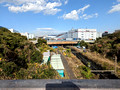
x: 108, y: 46
x: 19, y: 58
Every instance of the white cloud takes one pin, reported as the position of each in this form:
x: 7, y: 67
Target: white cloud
x: 85, y: 16
x: 115, y: 8
x: 46, y: 29
x: 83, y: 9
x: 36, y: 6
x: 118, y: 0
x: 74, y: 15
x: 66, y: 1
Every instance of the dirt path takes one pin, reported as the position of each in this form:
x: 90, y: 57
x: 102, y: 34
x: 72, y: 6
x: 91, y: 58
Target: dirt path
x: 67, y: 68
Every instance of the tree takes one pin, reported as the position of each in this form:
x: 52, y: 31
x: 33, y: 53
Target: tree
x: 40, y: 42
x: 83, y: 43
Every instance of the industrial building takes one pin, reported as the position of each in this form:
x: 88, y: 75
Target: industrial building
x: 80, y: 34
x: 57, y: 64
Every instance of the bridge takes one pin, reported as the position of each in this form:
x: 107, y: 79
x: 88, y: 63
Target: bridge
x: 61, y: 42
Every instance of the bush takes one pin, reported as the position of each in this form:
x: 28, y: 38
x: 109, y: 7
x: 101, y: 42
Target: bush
x: 86, y: 72
x: 9, y: 68
x: 22, y: 74
x: 83, y: 43
x: 36, y: 57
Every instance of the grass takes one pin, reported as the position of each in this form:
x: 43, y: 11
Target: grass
x: 80, y: 73
x: 98, y: 59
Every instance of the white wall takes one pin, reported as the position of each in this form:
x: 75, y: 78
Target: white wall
x: 13, y: 31
x: 83, y: 34
x: 28, y: 35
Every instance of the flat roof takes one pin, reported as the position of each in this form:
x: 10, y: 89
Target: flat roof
x: 56, y: 62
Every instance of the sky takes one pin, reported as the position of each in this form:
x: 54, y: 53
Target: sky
x: 43, y: 17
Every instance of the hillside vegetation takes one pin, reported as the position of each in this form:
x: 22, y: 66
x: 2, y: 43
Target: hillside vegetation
x: 108, y: 46
x: 19, y: 58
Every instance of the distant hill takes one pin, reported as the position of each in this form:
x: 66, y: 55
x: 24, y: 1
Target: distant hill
x: 1, y: 27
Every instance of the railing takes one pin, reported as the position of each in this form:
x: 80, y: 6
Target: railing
x: 59, y: 84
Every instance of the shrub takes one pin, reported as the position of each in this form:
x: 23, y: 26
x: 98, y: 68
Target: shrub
x: 9, y: 68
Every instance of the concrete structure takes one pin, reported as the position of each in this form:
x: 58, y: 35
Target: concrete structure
x: 61, y: 42
x: 57, y: 64
x: 61, y: 84
x: 46, y: 57
x: 28, y: 35
x: 13, y: 31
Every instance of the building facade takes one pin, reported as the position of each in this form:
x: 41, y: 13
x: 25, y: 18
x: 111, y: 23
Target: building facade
x: 82, y: 34
x: 28, y: 35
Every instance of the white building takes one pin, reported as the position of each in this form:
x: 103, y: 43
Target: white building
x: 13, y: 31
x: 99, y: 34
x: 28, y: 35
x: 81, y: 34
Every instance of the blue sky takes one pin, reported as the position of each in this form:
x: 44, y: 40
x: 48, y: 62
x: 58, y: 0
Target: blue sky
x: 56, y: 16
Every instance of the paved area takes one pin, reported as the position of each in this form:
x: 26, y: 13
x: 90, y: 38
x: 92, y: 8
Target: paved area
x: 60, y: 84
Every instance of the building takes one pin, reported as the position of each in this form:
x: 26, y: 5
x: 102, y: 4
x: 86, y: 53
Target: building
x: 105, y: 33
x: 63, y: 35
x: 99, y: 34
x: 28, y: 35
x: 13, y: 31
x: 80, y: 34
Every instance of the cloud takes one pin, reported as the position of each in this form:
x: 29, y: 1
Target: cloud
x: 118, y: 0
x: 74, y: 14
x: 36, y: 6
x: 85, y: 16
x: 66, y: 1
x: 115, y: 8
x: 46, y: 31
x: 83, y: 9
